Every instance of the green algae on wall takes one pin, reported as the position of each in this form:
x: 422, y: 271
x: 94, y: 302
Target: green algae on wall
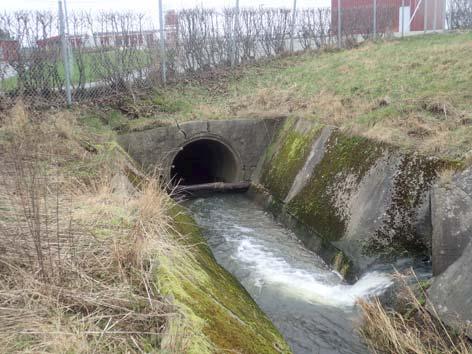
x: 345, y: 156
x: 221, y: 314
x: 289, y: 152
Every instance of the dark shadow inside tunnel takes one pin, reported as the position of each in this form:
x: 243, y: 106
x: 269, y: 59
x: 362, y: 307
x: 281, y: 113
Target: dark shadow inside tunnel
x: 204, y: 161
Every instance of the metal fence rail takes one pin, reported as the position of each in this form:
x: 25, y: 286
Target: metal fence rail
x: 59, y: 57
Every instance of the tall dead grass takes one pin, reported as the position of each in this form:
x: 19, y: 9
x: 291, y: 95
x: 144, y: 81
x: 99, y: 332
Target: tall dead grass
x: 77, y: 260
x: 413, y: 327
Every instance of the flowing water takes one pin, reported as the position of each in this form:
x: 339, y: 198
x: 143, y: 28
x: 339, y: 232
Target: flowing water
x: 309, y: 303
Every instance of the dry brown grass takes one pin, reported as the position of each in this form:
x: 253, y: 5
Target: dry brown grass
x: 77, y: 259
x: 428, y: 125
x: 413, y: 327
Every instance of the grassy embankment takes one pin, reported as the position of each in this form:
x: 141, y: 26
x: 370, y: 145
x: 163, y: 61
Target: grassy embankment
x: 414, y: 92
x: 92, y: 263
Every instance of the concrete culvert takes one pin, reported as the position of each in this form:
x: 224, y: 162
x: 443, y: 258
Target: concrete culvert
x: 204, y: 161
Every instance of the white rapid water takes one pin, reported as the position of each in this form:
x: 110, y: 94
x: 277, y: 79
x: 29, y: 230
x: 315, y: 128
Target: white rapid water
x: 313, y: 287
x: 311, y: 305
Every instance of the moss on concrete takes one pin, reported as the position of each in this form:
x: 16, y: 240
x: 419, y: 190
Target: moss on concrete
x: 286, y: 157
x: 223, y: 317
x: 345, y: 156
x: 342, y: 264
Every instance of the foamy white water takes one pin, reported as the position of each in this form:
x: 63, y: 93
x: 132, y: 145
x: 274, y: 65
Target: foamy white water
x: 314, y: 287
x: 310, y: 303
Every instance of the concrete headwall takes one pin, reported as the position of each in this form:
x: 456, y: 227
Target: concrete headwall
x: 451, y: 207
x: 246, y: 138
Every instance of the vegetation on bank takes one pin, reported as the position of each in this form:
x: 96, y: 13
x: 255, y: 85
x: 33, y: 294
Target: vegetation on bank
x: 412, y: 326
x: 92, y: 263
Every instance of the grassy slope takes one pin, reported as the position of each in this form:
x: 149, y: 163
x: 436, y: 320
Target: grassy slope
x: 413, y: 92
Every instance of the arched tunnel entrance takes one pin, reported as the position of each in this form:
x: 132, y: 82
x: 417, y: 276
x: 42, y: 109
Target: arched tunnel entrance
x: 204, y: 161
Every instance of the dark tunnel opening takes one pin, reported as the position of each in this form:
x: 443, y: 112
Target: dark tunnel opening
x: 204, y: 161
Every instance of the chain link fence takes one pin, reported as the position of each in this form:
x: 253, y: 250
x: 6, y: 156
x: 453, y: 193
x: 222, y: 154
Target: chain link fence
x: 59, y: 58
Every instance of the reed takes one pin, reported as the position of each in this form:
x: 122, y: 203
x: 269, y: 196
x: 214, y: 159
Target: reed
x: 413, y: 327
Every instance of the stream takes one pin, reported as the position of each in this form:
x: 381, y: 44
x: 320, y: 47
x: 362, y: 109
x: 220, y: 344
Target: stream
x: 309, y: 303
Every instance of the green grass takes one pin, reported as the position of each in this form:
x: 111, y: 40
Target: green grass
x: 93, y: 66
x: 93, y: 61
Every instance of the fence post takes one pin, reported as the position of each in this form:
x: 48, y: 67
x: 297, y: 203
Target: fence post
x: 162, y: 43
x: 64, y: 50
x: 444, y: 17
x: 435, y: 14
x: 69, y: 47
x: 403, y: 18
x: 425, y: 19
x: 374, y: 35
x: 339, y: 24
x: 292, y: 29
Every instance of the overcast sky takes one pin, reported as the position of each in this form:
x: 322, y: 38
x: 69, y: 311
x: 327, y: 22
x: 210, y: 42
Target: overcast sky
x: 150, y: 6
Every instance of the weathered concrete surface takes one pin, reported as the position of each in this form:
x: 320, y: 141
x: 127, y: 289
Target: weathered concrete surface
x: 365, y: 207
x: 451, y: 292
x: 368, y: 199
x: 451, y: 207
x: 246, y: 138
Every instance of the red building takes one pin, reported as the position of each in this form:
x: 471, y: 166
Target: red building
x: 8, y: 50
x: 55, y: 42
x: 171, y: 27
x: 357, y: 15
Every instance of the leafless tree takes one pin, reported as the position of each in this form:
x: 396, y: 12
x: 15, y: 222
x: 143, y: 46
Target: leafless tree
x: 459, y: 14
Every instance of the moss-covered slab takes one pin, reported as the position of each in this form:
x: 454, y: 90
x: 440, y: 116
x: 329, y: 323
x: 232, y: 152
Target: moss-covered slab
x: 287, y: 155
x: 347, y: 159
x: 221, y: 314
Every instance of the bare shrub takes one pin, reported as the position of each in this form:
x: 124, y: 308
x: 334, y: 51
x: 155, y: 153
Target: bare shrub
x: 314, y: 28
x: 459, y: 14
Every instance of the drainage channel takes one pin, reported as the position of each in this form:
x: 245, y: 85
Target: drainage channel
x: 308, y: 302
